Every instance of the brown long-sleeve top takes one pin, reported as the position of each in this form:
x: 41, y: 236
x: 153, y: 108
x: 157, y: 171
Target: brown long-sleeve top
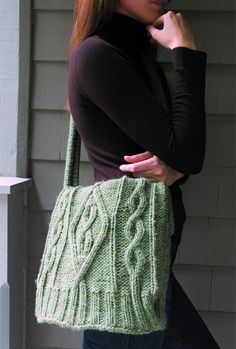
x: 116, y: 114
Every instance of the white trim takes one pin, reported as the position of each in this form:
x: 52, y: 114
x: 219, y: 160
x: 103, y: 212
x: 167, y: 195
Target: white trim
x: 10, y: 185
x: 14, y: 86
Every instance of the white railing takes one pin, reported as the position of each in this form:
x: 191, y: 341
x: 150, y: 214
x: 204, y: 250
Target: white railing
x: 13, y: 260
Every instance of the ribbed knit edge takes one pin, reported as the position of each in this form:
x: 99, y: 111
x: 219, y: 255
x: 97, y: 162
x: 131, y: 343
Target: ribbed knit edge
x: 54, y: 306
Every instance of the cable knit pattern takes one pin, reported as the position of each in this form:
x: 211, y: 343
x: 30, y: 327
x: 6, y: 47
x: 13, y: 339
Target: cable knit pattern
x: 106, y: 260
x: 107, y: 256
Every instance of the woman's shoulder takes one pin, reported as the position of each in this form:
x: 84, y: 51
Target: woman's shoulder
x: 94, y: 48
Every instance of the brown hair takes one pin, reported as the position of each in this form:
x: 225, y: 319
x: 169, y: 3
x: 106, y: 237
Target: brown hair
x: 89, y: 15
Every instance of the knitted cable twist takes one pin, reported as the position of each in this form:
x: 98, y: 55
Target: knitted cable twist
x: 106, y: 259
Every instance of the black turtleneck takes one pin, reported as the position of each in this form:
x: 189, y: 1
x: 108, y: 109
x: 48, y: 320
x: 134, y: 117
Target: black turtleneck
x: 125, y: 29
x: 116, y: 113
x: 130, y: 35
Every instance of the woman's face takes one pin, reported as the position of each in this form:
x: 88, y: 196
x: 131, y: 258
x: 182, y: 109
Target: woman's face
x: 146, y: 11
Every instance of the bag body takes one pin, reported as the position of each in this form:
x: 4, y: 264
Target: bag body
x: 106, y: 260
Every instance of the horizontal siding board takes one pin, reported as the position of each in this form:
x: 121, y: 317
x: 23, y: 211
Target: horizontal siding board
x: 220, y: 141
x: 222, y: 326
x: 221, y: 242
x: 33, y: 269
x: 49, y: 135
x: 33, y: 347
x: 209, y: 288
x: 52, y: 33
x: 208, y: 241
x: 223, y: 289
x: 196, y: 282
x: 53, y: 5
x: 211, y: 193
x: 49, y: 86
x: 41, y: 335
x: 38, y: 227
x: 209, y: 5
x: 226, y: 195
x: 193, y: 247
x: 72, y: 339
x: 48, y: 181
x: 220, y: 89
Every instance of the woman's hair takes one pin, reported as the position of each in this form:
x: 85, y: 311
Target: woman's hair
x: 89, y: 15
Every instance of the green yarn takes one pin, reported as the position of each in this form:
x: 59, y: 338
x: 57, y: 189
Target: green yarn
x: 106, y: 260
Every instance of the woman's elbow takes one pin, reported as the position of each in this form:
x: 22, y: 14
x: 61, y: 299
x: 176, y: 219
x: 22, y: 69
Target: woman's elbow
x: 195, y: 164
x: 189, y: 163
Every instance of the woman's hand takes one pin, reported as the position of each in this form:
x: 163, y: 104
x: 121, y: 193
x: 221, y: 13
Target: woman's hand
x: 171, y: 30
x: 150, y: 166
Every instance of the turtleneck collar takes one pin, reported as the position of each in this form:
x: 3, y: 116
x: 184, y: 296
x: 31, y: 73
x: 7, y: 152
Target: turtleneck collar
x: 127, y: 30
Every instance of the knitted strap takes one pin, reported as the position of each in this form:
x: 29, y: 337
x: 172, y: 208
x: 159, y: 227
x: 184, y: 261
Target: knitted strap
x: 71, y: 174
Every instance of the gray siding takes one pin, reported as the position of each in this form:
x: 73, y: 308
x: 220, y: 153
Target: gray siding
x: 205, y: 264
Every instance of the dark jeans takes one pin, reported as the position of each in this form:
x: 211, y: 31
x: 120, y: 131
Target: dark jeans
x: 185, y: 328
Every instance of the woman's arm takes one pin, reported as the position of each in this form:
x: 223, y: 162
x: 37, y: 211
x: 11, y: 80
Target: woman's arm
x: 107, y: 78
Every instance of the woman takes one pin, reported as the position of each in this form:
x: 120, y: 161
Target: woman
x: 119, y: 109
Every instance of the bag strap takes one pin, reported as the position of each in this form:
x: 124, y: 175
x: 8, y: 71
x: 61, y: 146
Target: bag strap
x: 72, y: 163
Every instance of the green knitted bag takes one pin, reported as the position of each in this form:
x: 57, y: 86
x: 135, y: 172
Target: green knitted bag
x: 106, y: 260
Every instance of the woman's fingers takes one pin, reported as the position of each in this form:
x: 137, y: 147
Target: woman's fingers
x: 171, y: 30
x: 159, y: 21
x: 166, y: 178
x: 141, y: 165
x: 138, y: 157
x: 147, y: 174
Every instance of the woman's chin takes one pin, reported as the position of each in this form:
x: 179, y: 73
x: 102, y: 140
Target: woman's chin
x: 151, y: 17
